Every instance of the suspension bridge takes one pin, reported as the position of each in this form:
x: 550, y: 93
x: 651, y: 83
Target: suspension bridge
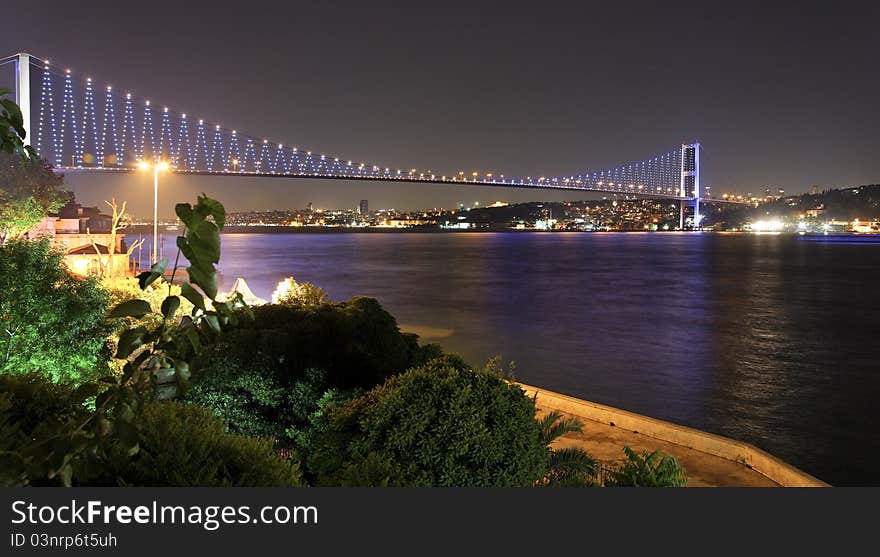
x: 80, y: 126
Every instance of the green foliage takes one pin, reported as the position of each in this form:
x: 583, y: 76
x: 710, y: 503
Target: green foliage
x: 125, y: 289
x: 567, y: 466
x: 185, y: 445
x: 159, y: 344
x: 29, y: 190
x: 437, y: 425
x: 51, y: 321
x: 304, y: 294
x: 647, y: 470
x: 36, y: 417
x: 357, y: 343
x: 41, y: 426
x: 265, y: 376
x: 12, y: 132
x: 155, y: 355
x: 249, y: 399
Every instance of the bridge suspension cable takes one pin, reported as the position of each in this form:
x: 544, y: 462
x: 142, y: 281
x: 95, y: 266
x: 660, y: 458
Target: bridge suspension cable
x: 80, y: 125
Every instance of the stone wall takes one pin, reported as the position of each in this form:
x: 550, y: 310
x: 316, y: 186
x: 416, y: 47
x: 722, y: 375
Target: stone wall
x: 766, y: 464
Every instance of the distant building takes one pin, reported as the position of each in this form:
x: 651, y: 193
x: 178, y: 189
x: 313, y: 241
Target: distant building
x: 814, y: 190
x: 363, y: 207
x: 74, y: 229
x: 309, y: 207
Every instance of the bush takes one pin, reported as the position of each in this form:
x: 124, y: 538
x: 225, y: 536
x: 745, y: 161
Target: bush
x: 178, y: 444
x: 357, y: 343
x: 647, y: 470
x: 123, y: 289
x: 304, y: 294
x: 32, y: 410
x: 52, y: 321
x: 185, y: 445
x: 266, y: 375
x: 252, y: 401
x: 437, y: 425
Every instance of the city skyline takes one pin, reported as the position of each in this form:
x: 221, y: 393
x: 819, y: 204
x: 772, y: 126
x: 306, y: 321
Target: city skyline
x: 467, y: 93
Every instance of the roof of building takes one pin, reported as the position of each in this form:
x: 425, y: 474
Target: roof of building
x: 89, y: 250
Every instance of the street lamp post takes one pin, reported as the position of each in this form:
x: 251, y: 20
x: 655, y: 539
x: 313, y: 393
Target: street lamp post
x: 157, y: 166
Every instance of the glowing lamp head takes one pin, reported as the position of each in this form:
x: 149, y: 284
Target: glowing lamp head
x: 143, y: 165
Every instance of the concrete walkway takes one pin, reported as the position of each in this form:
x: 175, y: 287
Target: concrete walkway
x: 606, y: 442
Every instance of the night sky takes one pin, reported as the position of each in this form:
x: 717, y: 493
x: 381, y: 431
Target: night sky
x: 780, y: 96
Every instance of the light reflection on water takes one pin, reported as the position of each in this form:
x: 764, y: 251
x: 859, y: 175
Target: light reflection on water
x: 768, y: 339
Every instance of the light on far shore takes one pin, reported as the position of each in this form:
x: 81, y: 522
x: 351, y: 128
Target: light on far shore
x: 160, y: 166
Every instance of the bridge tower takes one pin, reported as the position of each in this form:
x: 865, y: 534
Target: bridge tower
x: 23, y: 91
x: 690, y: 182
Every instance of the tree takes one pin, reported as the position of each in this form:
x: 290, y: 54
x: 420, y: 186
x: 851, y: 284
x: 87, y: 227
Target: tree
x: 12, y: 132
x: 654, y: 469
x: 29, y: 190
x: 566, y: 466
x: 303, y: 294
x: 51, y: 321
x: 117, y: 223
x: 440, y: 425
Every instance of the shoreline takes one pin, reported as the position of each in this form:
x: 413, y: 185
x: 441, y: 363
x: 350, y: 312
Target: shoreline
x: 721, y: 461
x: 268, y: 229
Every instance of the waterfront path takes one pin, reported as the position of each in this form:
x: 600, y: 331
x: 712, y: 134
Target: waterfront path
x: 709, y: 460
x: 606, y: 442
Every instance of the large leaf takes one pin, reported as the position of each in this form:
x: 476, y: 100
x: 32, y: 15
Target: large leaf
x: 186, y: 250
x: 206, y: 280
x: 186, y: 215
x: 131, y: 308
x: 129, y: 341
x: 194, y: 297
x: 205, y: 242
x: 148, y: 277
x: 169, y: 306
x: 213, y: 322
x: 215, y: 209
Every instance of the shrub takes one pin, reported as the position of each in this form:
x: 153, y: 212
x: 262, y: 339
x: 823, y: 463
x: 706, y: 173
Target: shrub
x: 304, y: 294
x: 178, y: 444
x: 357, y: 343
x: 437, y: 425
x: 185, y: 445
x: 32, y: 411
x: 52, y: 321
x: 566, y: 466
x: 124, y: 289
x: 647, y: 470
x: 266, y: 375
x: 252, y: 401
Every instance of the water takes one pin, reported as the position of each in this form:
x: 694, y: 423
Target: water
x: 768, y: 339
